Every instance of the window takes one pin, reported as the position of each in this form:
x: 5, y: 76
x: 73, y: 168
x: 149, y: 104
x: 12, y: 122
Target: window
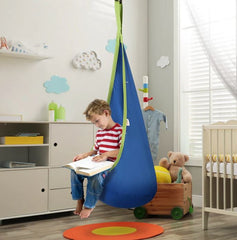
x: 204, y: 97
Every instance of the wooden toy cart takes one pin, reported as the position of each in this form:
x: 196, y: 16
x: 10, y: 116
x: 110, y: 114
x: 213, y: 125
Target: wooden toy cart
x: 173, y: 199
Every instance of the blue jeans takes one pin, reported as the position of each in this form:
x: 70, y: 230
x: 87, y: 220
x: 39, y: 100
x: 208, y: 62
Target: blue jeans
x: 95, y: 187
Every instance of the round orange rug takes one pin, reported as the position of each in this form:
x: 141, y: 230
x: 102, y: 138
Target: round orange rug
x: 114, y: 231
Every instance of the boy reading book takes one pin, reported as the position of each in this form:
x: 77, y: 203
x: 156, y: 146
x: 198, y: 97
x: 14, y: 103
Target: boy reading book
x: 107, y: 144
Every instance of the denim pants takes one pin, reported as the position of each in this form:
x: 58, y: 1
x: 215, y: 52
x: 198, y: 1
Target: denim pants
x: 95, y: 187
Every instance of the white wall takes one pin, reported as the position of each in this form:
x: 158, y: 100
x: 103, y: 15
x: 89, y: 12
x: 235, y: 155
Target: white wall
x: 73, y: 26
x: 68, y: 27
x: 163, y: 82
x: 161, y: 43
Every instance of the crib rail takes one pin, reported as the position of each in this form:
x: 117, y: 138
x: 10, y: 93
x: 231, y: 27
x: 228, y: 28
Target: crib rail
x: 219, y: 180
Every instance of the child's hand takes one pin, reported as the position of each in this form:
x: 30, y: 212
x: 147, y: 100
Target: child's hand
x: 79, y: 157
x: 100, y: 158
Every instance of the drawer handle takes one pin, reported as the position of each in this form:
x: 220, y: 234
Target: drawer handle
x: 55, y: 144
x: 42, y: 190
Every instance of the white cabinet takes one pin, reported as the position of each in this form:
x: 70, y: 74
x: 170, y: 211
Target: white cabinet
x: 67, y: 140
x: 23, y: 192
x: 44, y: 188
x: 60, y: 189
x: 60, y: 199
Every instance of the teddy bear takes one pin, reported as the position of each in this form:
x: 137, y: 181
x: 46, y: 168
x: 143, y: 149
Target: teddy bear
x: 175, y: 164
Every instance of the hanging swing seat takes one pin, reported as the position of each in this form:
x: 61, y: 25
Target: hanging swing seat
x: 132, y: 181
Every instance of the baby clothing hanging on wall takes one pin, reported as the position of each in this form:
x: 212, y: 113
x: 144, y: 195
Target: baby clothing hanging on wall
x: 152, y: 119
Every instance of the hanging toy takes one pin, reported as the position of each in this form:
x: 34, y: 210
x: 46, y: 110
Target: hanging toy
x: 146, y: 99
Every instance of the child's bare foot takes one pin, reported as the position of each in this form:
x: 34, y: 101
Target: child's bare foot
x: 79, y: 206
x: 85, y: 213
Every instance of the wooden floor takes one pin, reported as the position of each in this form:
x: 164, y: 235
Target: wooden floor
x: 51, y: 227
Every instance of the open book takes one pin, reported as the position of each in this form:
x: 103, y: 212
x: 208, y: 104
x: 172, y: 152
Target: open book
x: 88, y: 167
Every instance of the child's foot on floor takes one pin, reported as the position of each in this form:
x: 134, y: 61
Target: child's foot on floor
x: 79, y: 206
x: 85, y: 213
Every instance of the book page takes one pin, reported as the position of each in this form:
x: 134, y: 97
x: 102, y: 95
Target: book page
x: 88, y: 167
x: 88, y: 163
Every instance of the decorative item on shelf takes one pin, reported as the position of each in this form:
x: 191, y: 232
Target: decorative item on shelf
x: 60, y: 114
x: 10, y: 117
x: 51, y: 115
x: 52, y: 108
x: 16, y: 164
x: 18, y: 49
x: 56, y: 113
x: 87, y: 60
x: 41, y: 48
x: 26, y: 134
x: 15, y: 140
x: 146, y: 99
x: 3, y: 43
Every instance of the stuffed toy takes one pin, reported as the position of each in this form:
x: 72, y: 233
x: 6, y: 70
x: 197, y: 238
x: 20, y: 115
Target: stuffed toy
x: 175, y: 164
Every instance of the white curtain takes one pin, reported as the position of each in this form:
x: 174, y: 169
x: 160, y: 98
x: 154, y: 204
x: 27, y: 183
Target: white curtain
x: 215, y: 23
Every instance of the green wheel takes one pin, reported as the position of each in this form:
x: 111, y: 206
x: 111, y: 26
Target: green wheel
x: 191, y: 209
x: 140, y: 212
x: 190, y: 206
x: 177, y: 213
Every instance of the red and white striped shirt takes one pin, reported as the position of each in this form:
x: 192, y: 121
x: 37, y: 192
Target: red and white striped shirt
x: 108, y: 140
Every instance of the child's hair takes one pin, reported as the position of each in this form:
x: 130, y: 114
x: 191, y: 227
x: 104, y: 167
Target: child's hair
x: 96, y: 107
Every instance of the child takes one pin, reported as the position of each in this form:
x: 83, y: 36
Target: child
x: 107, y: 144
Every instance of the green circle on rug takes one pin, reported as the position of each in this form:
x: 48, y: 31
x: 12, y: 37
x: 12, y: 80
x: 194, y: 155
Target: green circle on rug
x: 114, y: 231
x: 111, y: 231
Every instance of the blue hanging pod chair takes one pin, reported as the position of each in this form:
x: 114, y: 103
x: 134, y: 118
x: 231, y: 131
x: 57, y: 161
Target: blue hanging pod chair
x: 132, y: 181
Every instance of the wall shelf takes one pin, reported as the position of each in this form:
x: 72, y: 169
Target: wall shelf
x: 24, y: 145
x: 7, y: 53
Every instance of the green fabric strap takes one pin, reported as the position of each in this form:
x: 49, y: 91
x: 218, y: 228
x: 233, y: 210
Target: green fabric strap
x: 119, y: 39
x: 118, y: 9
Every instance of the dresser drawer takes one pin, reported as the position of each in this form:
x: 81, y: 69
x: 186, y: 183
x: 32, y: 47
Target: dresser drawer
x: 61, y: 199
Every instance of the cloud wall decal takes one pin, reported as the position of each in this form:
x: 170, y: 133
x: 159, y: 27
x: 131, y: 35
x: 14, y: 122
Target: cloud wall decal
x: 110, y: 47
x: 56, y: 84
x: 87, y: 60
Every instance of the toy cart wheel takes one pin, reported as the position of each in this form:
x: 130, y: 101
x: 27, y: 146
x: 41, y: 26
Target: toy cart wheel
x: 140, y: 212
x: 177, y: 213
x: 191, y: 206
x: 191, y: 209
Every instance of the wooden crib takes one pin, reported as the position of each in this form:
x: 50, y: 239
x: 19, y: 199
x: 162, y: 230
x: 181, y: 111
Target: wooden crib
x: 219, y: 178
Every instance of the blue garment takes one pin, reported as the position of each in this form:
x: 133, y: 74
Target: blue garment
x: 152, y: 121
x: 95, y: 187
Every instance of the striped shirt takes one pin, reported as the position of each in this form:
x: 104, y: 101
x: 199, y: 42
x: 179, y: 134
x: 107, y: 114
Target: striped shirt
x: 108, y: 140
